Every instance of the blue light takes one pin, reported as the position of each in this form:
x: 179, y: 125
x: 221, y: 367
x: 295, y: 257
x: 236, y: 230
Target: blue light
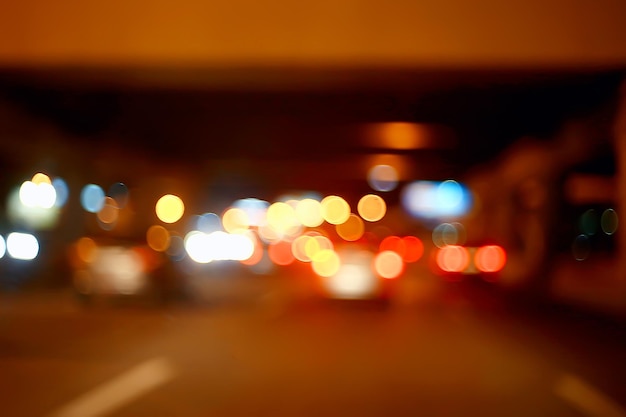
x: 208, y: 223
x: 92, y: 198
x: 436, y: 200
x: 62, y: 190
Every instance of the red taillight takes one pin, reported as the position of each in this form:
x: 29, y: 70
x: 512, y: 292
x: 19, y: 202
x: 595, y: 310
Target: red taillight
x: 491, y: 258
x: 453, y: 258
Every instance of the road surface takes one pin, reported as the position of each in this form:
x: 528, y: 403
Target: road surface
x: 464, y: 352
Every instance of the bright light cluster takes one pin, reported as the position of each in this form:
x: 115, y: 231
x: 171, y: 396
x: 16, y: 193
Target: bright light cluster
x: 286, y: 231
x: 22, y: 246
x: 308, y: 229
x: 37, y: 201
x: 434, y: 200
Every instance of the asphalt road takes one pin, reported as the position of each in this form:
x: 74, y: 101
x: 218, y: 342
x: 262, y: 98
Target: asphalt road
x: 462, y: 352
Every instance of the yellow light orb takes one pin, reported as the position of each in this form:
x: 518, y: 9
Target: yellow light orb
x: 372, y: 208
x: 41, y: 178
x: 170, y: 208
x: 316, y: 244
x: 326, y: 263
x: 309, y: 212
x: 281, y: 217
x: 335, y: 210
x: 235, y: 220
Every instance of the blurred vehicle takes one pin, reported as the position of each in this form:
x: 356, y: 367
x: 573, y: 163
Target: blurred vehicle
x: 106, y: 269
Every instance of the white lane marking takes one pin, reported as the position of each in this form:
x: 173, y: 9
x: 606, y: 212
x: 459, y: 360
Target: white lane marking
x: 119, y: 391
x: 586, y: 398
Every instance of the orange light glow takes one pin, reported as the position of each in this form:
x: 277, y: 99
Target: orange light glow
x: 280, y: 253
x: 170, y: 208
x: 388, y: 264
x: 109, y: 213
x: 399, y: 135
x: 352, y: 229
x: 86, y: 249
x: 453, y: 258
x: 158, y: 238
x: 335, y: 209
x: 372, y: 208
x: 491, y: 258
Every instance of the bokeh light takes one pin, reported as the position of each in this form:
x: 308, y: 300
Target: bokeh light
x: 388, y: 264
x: 335, y: 210
x: 609, y: 221
x: 490, y: 258
x: 235, y: 220
x: 449, y: 193
x: 326, y: 263
x: 298, y: 246
x: 197, y: 245
x: 170, y: 208
x: 309, y: 212
x: 453, y: 258
x: 393, y: 243
x: 281, y: 217
x: 352, y: 229
x: 280, y: 253
x: 413, y: 249
x: 268, y: 234
x: 257, y: 251
x: 588, y: 222
x: 3, y: 247
x: 208, y: 223
x: 581, y: 247
x: 446, y: 234
x: 34, y: 217
x: 255, y: 210
x: 23, y: 246
x: 62, y: 191
x: 383, y: 178
x: 92, y: 198
x: 86, y: 249
x: 317, y: 244
x: 218, y: 246
x: 41, y: 178
x: 432, y: 200
x: 158, y: 238
x: 109, y: 213
x: 399, y: 135
x: 176, y: 249
x: 42, y: 194
x: 372, y: 208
